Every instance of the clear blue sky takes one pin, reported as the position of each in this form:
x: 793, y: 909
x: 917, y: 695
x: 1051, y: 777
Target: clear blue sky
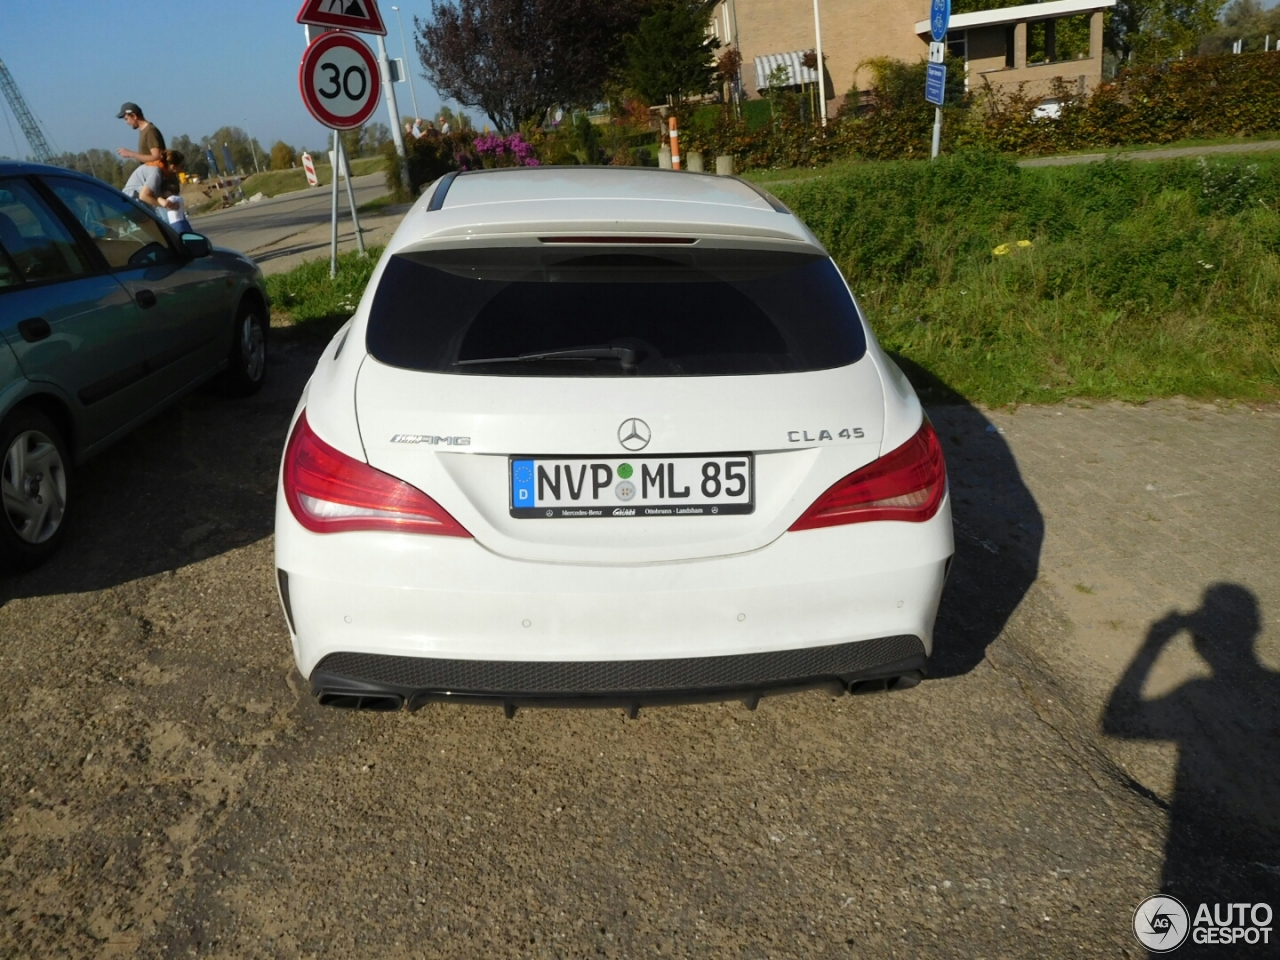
x: 192, y: 67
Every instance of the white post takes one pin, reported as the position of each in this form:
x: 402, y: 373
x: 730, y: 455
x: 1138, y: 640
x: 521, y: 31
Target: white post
x: 333, y: 240
x: 822, y: 74
x: 937, y: 132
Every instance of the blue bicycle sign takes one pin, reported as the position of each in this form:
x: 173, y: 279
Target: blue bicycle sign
x: 939, y: 19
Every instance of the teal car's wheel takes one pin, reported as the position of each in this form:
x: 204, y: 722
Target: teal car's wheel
x: 247, y: 363
x: 35, y: 486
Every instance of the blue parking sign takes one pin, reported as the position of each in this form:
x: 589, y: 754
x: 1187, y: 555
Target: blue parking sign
x: 939, y: 19
x: 935, y: 83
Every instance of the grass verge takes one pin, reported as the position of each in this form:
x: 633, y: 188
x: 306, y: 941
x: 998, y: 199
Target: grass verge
x: 1139, y: 280
x: 309, y: 303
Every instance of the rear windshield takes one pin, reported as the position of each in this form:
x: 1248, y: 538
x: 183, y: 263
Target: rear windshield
x: 564, y: 312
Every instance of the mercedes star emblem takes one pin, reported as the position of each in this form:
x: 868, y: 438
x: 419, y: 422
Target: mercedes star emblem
x: 634, y: 434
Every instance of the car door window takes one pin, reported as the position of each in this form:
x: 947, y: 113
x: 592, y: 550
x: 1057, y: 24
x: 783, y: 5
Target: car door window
x: 9, y: 276
x: 126, y: 234
x: 38, y: 245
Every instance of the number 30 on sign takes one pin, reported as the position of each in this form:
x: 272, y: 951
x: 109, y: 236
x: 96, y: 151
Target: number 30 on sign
x: 339, y: 80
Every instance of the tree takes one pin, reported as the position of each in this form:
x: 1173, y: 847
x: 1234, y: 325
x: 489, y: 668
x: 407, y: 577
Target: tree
x: 1244, y: 20
x: 1153, y: 30
x: 458, y: 122
x: 375, y: 136
x: 516, y: 59
x: 237, y: 142
x: 196, y: 164
x: 351, y: 142
x: 103, y: 164
x: 670, y: 57
x: 283, y: 156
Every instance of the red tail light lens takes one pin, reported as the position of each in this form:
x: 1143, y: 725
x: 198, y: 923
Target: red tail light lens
x: 329, y: 492
x: 906, y: 484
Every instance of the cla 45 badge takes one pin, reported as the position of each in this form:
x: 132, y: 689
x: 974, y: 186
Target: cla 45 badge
x: 845, y: 433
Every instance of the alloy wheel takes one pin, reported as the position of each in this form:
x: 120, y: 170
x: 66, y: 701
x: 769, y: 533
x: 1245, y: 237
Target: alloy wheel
x: 253, y: 348
x: 33, y: 486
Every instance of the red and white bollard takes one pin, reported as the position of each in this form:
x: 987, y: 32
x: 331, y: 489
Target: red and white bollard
x: 675, y: 146
x: 310, y: 168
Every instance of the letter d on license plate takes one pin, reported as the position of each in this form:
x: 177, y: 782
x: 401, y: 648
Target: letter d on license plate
x: 550, y: 488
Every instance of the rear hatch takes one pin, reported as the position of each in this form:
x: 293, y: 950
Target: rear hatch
x: 637, y: 404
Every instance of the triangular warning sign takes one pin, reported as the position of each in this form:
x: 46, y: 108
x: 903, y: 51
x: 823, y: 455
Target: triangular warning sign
x: 361, y: 16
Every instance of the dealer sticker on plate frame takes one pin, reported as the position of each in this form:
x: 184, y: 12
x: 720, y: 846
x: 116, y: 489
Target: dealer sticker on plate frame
x: 551, y: 488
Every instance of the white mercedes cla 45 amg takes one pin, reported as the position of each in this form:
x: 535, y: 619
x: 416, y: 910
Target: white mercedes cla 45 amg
x: 607, y: 436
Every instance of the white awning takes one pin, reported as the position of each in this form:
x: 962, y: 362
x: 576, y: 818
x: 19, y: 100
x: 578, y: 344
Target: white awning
x: 1048, y: 10
x: 796, y: 72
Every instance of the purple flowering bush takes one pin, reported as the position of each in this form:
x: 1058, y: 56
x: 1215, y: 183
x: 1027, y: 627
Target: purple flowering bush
x: 495, y: 150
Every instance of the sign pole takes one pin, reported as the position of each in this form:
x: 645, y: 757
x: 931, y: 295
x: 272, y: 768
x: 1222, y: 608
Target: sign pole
x: 333, y: 245
x: 935, y: 87
x: 351, y: 200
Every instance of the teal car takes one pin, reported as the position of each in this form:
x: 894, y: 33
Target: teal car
x: 107, y: 317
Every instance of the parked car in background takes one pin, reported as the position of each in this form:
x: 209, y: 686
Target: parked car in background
x: 607, y: 436
x: 106, y: 317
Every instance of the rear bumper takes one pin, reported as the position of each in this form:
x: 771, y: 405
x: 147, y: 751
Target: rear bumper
x: 376, y: 681
x: 418, y: 618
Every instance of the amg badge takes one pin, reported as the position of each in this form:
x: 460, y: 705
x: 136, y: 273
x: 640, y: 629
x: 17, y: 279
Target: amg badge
x: 425, y: 438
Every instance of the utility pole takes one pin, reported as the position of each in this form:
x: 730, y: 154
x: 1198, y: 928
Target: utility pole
x: 252, y: 147
x: 405, y: 44
x: 389, y: 89
x: 822, y: 74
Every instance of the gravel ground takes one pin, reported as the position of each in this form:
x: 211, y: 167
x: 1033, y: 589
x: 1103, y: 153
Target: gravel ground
x: 169, y: 788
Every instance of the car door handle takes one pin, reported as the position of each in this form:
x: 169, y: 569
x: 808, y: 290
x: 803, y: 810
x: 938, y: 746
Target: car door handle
x: 35, y: 329
x: 146, y: 299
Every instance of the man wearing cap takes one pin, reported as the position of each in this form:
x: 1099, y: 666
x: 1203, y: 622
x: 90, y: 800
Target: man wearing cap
x: 150, y: 139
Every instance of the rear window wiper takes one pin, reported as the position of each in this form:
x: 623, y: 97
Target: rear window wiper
x: 625, y: 355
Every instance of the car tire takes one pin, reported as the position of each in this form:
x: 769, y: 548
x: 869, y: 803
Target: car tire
x: 35, y: 489
x: 247, y: 362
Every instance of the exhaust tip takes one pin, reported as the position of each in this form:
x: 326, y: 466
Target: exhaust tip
x: 345, y: 700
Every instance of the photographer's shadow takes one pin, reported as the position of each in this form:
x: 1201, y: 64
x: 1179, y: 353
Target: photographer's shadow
x: 1224, y: 819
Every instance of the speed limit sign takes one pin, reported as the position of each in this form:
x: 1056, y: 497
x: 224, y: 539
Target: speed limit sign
x: 339, y: 80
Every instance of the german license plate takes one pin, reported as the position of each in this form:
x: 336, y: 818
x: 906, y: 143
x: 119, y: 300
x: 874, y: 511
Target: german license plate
x: 550, y: 488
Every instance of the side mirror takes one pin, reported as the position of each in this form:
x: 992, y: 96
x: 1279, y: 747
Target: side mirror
x: 196, y: 245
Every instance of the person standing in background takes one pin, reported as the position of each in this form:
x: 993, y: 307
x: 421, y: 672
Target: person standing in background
x: 150, y: 139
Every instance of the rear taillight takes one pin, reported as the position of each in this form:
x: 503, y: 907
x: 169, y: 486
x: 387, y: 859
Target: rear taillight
x: 329, y: 492
x: 906, y: 484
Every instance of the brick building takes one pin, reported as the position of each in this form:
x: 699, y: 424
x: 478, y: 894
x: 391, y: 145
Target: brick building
x: 1033, y: 43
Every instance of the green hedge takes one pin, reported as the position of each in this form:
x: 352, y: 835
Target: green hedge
x: 1201, y: 97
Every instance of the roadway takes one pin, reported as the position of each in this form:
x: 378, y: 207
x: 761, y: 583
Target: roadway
x: 253, y: 228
